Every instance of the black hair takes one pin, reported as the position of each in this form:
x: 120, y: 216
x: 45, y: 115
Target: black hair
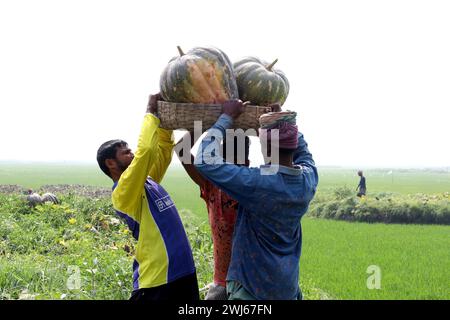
x: 287, y: 152
x: 108, y: 150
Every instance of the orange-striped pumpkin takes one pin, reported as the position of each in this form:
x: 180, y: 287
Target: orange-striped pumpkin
x: 202, y: 75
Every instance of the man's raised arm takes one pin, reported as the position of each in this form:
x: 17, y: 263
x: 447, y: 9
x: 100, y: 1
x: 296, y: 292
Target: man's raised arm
x: 127, y: 192
x: 237, y: 181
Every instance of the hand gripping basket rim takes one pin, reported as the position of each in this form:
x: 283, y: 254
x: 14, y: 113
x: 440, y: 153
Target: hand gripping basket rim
x: 179, y: 116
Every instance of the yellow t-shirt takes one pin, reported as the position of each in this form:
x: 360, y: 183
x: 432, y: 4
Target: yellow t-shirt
x: 163, y: 253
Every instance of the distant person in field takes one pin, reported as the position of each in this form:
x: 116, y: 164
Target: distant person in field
x: 272, y: 199
x: 163, y: 268
x: 222, y: 212
x: 361, y: 188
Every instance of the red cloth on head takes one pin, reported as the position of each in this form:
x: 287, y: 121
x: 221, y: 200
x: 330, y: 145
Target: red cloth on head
x: 287, y: 135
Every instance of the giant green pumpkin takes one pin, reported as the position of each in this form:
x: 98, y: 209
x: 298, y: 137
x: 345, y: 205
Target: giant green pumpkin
x: 202, y: 75
x: 259, y: 83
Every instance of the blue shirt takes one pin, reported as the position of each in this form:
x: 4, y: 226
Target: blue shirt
x: 362, y: 184
x: 267, y: 239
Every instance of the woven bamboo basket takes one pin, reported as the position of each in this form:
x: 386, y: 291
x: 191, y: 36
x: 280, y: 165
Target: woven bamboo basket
x: 181, y: 116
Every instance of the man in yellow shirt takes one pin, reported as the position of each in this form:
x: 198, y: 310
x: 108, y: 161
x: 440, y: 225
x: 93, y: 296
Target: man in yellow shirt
x: 163, y: 268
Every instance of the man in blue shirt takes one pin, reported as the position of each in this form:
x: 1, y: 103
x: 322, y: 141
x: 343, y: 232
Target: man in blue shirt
x: 267, y: 238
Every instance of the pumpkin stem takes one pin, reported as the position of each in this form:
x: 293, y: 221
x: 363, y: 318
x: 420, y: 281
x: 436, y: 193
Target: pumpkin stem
x: 270, y: 66
x: 180, y: 51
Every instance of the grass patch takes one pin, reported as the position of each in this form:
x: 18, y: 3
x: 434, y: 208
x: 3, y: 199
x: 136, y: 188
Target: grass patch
x: 413, y: 259
x: 404, y: 181
x: 36, y: 248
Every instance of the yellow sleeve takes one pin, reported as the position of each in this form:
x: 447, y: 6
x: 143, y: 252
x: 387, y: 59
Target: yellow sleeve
x: 159, y: 166
x: 127, y: 196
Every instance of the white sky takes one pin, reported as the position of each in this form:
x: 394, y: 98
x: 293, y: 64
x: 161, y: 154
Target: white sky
x: 370, y: 80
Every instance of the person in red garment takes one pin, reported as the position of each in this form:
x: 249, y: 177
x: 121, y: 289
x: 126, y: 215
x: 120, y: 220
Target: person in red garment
x: 222, y: 211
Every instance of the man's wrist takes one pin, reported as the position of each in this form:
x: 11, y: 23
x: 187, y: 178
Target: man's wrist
x: 152, y: 115
x: 225, y: 120
x: 227, y: 116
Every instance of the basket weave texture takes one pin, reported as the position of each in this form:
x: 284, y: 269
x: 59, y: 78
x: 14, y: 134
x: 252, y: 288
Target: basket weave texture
x: 181, y: 116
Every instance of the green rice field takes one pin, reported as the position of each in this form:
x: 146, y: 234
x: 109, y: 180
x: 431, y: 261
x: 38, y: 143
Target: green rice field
x: 413, y: 260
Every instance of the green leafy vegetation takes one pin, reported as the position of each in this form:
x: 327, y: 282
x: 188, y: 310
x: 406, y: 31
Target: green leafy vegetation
x: 39, y: 247
x: 342, y: 204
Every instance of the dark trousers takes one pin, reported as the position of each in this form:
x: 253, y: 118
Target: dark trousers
x: 361, y: 192
x: 183, y: 289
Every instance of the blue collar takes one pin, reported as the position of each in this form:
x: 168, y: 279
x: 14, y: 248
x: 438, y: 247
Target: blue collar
x: 296, y: 171
x: 115, y: 185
